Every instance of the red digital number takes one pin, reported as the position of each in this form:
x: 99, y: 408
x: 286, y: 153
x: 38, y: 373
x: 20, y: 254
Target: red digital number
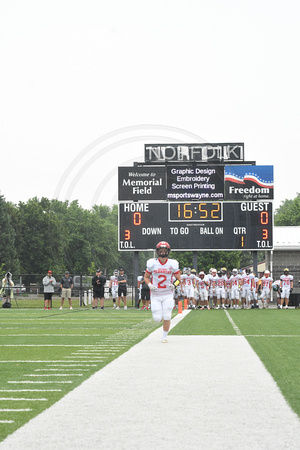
x: 127, y: 235
x: 265, y: 234
x: 264, y: 218
x: 137, y: 218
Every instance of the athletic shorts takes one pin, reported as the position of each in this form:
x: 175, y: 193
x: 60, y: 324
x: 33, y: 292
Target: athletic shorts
x: 48, y: 295
x: 145, y: 294
x: 122, y: 290
x: 66, y: 293
x: 99, y: 293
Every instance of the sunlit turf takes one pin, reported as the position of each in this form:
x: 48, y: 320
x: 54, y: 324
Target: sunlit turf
x: 45, y: 354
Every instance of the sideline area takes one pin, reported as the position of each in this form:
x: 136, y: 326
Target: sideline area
x: 196, y: 392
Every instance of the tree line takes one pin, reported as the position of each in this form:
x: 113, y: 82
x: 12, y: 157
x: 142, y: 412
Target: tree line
x: 43, y: 234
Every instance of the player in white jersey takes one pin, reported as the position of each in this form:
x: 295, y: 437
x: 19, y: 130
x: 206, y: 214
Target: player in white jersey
x: 220, y: 290
x: 254, y: 294
x: 227, y: 279
x: 158, y: 276
x: 202, y: 287
x: 212, y: 279
x: 140, y: 280
x: 113, y: 286
x: 286, y: 286
x: 188, y: 282
x: 266, y: 285
x: 235, y: 281
x: 247, y: 282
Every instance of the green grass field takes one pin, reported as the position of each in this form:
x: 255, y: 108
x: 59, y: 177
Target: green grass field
x: 45, y: 354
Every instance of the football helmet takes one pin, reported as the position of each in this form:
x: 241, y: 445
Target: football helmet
x: 116, y: 272
x: 286, y: 271
x: 201, y: 275
x: 163, y: 249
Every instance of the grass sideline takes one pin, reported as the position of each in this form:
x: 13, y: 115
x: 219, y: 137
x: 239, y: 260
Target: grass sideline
x: 273, y: 334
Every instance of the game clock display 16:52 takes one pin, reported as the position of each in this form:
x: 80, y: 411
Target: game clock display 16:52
x: 196, y: 225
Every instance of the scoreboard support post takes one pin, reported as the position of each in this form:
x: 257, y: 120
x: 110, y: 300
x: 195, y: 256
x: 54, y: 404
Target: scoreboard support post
x: 135, y: 292
x: 254, y: 254
x: 195, y: 260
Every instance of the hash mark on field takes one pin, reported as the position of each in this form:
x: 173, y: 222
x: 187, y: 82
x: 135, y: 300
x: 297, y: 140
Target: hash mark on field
x: 7, y: 421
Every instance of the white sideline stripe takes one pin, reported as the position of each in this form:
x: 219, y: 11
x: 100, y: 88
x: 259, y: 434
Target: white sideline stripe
x: 7, y: 421
x: 39, y: 382
x: 30, y: 390
x: 15, y: 399
x: 234, y: 326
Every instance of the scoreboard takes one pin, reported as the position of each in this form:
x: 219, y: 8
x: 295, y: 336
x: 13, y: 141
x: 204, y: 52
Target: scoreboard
x: 196, y: 225
x: 196, y: 203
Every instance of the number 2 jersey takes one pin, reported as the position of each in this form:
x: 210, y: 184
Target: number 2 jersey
x: 161, y: 275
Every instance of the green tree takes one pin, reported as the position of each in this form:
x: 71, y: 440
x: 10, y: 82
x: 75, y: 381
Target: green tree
x: 288, y: 214
x: 8, y: 252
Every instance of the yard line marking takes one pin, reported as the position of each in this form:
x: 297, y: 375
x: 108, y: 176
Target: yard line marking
x: 53, y: 375
x: 30, y: 390
x: 234, y: 326
x: 91, y: 358
x: 39, y: 382
x: 7, y: 421
x: 15, y: 410
x: 47, y: 370
x: 24, y: 399
x: 47, y: 345
x: 71, y: 365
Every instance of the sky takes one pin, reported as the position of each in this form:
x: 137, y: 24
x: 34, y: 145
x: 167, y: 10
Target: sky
x: 85, y: 84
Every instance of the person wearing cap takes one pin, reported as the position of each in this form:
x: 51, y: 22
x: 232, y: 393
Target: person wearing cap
x: 98, y: 283
x: 122, y: 288
x: 66, y: 286
x: 49, y: 283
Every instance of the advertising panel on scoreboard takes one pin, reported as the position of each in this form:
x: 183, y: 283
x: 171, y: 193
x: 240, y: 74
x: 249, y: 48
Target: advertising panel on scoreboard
x: 247, y: 182
x: 142, y: 183
x: 196, y: 182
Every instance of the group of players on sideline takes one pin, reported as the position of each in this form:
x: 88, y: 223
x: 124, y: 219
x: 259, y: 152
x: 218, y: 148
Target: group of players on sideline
x: 226, y: 289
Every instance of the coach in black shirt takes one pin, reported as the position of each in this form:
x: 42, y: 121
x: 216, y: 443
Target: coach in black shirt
x: 122, y: 288
x: 98, y: 283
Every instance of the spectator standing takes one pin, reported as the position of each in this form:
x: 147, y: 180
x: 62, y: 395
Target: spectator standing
x: 49, y: 283
x: 7, y: 285
x: 98, y: 283
x: 122, y: 288
x: 66, y: 285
